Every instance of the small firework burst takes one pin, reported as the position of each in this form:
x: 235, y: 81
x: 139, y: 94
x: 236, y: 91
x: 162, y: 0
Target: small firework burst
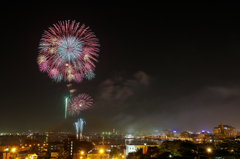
x: 77, y: 104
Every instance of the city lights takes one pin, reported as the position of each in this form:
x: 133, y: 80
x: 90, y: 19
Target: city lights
x: 167, y: 85
x: 209, y: 150
x: 13, y: 149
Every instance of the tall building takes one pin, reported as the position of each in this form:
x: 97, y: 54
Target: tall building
x: 69, y: 144
x: 165, y: 132
x: 225, y: 131
x: 175, y: 134
x: 185, y: 134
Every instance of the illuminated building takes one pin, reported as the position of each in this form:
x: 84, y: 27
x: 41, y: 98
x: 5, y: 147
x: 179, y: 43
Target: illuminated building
x: 108, y: 147
x: 95, y: 154
x: 129, y: 136
x: 69, y: 144
x: 79, y: 155
x: 55, y: 146
x: 32, y: 155
x: 238, y: 133
x: 225, y: 131
x: 198, y: 138
x: 175, y: 134
x: 169, y: 134
x: 185, y: 134
x: 54, y: 154
x: 133, y: 148
x: 165, y: 132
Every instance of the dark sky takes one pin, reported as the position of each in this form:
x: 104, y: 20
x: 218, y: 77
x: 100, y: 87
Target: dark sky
x: 162, y: 66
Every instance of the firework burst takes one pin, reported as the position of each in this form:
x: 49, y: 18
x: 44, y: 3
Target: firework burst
x: 68, y: 51
x: 79, y: 103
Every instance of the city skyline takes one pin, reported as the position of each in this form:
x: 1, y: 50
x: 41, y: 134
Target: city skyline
x: 161, y: 66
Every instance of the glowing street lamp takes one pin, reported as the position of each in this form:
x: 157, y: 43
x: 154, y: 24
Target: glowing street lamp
x: 101, y: 152
x: 145, y: 150
x: 209, y: 150
x: 13, y: 149
x: 81, y: 153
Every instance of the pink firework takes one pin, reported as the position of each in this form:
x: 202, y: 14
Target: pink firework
x: 79, y: 103
x: 68, y: 52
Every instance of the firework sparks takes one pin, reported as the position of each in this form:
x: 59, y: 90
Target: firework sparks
x: 68, y: 52
x: 79, y: 103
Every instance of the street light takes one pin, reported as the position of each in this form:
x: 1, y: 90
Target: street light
x: 145, y: 149
x: 13, y: 149
x: 13, y: 152
x: 101, y: 152
x: 209, y: 150
x: 82, y: 152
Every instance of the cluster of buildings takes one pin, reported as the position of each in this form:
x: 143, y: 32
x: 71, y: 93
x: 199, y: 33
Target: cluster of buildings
x: 220, y: 133
x: 57, y: 145
x: 61, y: 145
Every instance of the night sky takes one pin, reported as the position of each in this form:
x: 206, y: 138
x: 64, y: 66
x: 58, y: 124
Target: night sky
x: 161, y: 66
